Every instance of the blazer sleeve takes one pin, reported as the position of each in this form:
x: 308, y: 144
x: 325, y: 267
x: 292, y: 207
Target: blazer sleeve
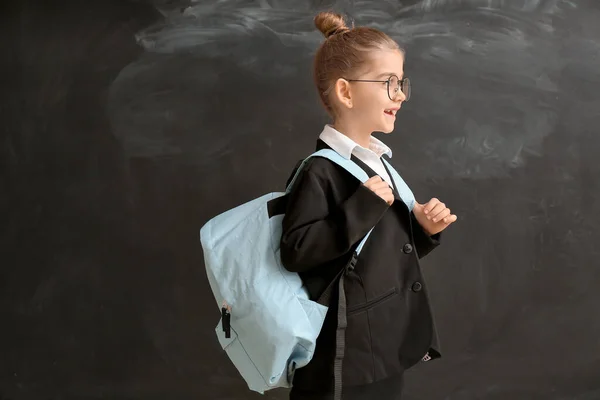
x: 315, y: 232
x: 423, y: 242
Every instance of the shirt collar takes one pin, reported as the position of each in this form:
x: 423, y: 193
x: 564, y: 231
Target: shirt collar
x: 345, y: 146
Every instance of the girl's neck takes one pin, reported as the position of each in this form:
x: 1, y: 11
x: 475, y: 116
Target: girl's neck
x: 362, y: 138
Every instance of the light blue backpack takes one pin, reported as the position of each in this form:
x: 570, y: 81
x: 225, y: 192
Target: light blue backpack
x: 268, y: 324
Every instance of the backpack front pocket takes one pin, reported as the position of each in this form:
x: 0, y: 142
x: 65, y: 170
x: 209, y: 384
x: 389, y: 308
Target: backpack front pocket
x: 241, y: 359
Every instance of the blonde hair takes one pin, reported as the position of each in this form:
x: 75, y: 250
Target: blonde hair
x: 344, y: 51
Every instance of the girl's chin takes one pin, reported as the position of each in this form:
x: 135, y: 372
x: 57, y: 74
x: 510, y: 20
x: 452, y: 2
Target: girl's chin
x: 388, y: 130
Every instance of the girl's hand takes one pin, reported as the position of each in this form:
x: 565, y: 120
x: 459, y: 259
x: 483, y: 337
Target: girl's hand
x: 380, y: 188
x: 433, y: 216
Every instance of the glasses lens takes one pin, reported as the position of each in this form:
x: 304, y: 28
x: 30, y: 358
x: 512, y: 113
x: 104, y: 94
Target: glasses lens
x: 393, y: 87
x: 396, y: 85
x: 406, y: 88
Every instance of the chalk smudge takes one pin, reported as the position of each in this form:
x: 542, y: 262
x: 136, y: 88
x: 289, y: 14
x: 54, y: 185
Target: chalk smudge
x: 489, y: 72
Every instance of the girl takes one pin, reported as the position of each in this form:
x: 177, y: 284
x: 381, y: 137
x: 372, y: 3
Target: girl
x: 360, y: 78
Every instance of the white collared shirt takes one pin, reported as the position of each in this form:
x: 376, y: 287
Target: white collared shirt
x: 347, y: 147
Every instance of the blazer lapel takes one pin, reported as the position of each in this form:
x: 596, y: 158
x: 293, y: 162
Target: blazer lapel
x: 396, y: 194
x: 394, y: 189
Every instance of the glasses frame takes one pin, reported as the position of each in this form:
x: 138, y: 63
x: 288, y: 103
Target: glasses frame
x: 388, y: 81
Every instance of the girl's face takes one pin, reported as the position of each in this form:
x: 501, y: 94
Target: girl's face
x: 371, y: 106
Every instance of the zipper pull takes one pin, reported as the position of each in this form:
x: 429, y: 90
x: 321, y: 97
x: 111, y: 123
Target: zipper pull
x: 226, y: 319
x: 352, y: 264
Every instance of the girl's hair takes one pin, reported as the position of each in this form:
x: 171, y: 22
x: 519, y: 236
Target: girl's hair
x: 344, y: 51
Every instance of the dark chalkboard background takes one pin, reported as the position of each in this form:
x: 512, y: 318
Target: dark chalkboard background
x: 126, y: 125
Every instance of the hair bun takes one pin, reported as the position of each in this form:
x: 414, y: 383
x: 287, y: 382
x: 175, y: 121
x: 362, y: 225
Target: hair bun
x: 330, y: 23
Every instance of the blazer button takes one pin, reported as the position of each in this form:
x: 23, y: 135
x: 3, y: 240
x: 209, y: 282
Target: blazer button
x: 416, y: 287
x: 407, y: 248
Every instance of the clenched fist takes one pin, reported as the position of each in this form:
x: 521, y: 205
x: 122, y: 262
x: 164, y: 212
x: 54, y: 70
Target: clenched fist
x: 381, y: 188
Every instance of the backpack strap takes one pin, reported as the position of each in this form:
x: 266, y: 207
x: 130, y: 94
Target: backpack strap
x: 332, y: 155
x: 345, y: 163
x: 401, y: 187
x: 324, y: 299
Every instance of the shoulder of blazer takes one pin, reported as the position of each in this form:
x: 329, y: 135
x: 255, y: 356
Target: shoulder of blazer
x: 316, y: 164
x: 320, y: 145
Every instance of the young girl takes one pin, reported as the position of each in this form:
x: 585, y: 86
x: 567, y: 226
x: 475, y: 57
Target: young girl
x: 360, y: 78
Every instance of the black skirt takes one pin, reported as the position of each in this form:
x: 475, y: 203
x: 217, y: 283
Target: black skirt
x: 386, y: 389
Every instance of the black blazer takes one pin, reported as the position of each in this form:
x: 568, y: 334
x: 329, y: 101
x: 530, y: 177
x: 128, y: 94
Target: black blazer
x: 390, y: 324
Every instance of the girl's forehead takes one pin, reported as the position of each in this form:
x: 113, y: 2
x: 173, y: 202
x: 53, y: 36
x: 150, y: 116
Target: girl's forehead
x: 386, y: 62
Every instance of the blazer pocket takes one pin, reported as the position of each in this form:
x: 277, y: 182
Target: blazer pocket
x: 372, y: 303
x: 360, y: 364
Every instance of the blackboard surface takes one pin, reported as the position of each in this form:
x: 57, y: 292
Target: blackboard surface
x: 127, y: 125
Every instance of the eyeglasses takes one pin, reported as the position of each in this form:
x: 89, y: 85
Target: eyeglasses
x: 395, y: 85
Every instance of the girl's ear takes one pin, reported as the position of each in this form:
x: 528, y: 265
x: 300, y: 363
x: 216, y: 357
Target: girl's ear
x: 343, y: 92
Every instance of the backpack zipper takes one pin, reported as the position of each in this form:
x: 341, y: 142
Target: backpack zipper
x: 226, y: 319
